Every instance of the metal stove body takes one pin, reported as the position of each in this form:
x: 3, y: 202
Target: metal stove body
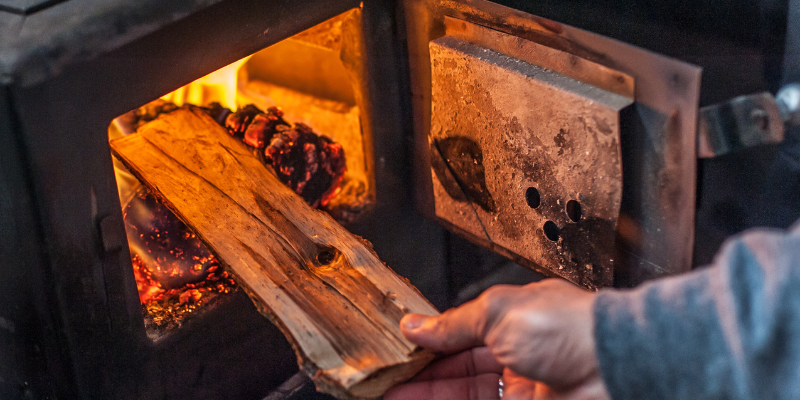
x: 70, y: 318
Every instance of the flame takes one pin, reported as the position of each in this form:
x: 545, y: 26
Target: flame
x: 218, y: 86
x: 173, y: 282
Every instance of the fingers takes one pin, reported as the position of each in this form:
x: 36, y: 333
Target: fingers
x: 517, y: 387
x: 462, y: 327
x: 481, y: 387
x: 473, y: 362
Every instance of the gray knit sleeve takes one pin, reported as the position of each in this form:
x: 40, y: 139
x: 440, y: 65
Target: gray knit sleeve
x: 727, y: 331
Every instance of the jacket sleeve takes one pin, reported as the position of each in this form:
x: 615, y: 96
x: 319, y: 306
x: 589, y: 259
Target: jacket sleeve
x: 728, y: 331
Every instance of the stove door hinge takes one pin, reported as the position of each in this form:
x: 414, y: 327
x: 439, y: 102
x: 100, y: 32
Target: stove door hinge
x: 747, y: 121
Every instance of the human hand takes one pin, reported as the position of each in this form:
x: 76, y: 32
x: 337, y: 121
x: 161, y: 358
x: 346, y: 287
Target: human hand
x: 538, y: 336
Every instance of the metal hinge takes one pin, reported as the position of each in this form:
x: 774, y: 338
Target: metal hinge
x: 747, y: 121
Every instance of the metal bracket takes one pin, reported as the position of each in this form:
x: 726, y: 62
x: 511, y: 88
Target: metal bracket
x: 747, y: 121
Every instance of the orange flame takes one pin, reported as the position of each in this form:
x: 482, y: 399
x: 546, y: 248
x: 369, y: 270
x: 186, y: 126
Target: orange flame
x: 218, y: 86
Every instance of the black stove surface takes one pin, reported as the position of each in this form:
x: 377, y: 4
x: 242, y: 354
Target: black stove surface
x: 25, y: 7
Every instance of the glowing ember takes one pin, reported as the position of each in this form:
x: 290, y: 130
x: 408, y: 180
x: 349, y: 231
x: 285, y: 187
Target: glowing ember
x: 313, y: 166
x: 175, y: 273
x: 310, y: 164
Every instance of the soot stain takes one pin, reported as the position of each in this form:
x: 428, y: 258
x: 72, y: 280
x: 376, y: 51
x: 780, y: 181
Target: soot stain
x: 445, y: 177
x: 561, y: 140
x: 589, y: 242
x: 603, y: 127
x: 463, y: 158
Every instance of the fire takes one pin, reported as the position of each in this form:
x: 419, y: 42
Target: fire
x: 306, y: 116
x: 216, y: 87
x: 175, y: 273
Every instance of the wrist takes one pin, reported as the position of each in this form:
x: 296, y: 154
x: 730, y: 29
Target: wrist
x: 593, y: 389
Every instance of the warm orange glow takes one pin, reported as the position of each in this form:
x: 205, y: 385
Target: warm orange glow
x: 175, y: 273
x: 306, y: 78
x: 218, y: 86
x: 330, y: 111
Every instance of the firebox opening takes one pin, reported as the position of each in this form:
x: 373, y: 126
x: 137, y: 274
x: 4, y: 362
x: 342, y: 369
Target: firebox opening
x: 307, y: 90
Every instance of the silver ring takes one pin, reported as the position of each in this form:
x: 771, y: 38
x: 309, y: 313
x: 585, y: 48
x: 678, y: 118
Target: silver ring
x: 500, y: 387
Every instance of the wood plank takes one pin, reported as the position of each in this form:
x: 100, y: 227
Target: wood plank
x: 325, y: 288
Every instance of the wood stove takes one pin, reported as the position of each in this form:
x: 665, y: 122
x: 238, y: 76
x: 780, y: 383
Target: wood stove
x: 71, y: 323
x: 77, y: 331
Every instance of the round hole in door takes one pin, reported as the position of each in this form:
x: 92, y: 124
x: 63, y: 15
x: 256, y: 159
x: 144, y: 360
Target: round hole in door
x: 532, y: 197
x: 573, y: 210
x: 551, y: 231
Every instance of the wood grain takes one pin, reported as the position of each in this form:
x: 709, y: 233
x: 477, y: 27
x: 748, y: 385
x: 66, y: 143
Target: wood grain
x: 325, y: 288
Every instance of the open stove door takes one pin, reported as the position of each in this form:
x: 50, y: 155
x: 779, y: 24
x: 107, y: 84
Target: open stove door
x: 568, y: 152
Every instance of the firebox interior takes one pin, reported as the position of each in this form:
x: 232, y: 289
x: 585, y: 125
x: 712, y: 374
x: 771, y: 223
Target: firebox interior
x: 315, y: 78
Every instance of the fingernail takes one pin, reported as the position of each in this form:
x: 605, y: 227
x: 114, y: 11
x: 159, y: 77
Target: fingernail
x: 411, y: 322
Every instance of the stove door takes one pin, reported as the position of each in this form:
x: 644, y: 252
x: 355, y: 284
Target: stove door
x: 570, y: 153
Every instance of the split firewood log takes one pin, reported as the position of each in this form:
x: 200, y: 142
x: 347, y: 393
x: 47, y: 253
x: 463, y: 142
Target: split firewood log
x: 337, y: 303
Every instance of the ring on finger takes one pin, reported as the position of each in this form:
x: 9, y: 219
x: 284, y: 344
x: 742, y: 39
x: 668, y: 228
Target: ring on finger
x: 500, y: 387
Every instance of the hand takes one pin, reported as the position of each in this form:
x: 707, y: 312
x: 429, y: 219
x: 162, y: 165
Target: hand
x: 539, y: 337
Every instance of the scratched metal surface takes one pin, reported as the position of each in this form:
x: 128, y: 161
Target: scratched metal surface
x: 501, y: 126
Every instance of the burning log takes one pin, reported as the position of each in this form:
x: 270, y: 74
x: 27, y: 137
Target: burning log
x: 325, y: 288
x: 312, y: 165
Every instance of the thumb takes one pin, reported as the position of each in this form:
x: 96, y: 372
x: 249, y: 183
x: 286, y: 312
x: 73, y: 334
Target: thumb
x: 459, y: 328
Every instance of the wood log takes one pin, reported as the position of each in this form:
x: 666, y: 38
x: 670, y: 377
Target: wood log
x: 332, y: 297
